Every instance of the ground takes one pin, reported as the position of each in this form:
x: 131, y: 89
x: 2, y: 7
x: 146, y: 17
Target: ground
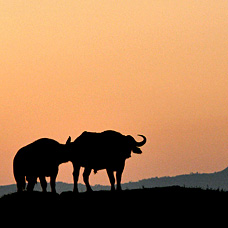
x: 141, y: 197
x: 165, y: 206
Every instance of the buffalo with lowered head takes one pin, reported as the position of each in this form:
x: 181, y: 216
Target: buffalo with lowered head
x: 39, y: 159
x: 106, y: 150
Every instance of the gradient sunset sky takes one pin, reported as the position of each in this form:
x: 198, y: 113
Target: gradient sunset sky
x: 157, y: 68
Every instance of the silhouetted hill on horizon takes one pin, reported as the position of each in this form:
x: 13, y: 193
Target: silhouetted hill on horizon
x: 216, y: 180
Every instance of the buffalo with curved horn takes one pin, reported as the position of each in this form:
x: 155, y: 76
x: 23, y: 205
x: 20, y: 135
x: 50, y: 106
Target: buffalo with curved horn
x: 106, y: 150
x: 39, y: 159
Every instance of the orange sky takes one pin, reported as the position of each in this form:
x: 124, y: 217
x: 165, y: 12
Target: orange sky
x: 158, y: 68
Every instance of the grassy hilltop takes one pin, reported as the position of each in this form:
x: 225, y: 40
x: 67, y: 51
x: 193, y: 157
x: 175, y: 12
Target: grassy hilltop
x: 164, y: 205
x: 140, y: 197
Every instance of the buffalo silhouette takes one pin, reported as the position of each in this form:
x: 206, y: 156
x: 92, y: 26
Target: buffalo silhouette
x: 106, y: 150
x: 39, y: 159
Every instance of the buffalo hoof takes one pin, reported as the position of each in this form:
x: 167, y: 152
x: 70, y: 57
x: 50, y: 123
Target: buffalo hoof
x: 119, y: 189
x: 89, y: 190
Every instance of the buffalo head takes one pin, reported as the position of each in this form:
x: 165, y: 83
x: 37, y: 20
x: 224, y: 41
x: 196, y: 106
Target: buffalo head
x: 134, y: 145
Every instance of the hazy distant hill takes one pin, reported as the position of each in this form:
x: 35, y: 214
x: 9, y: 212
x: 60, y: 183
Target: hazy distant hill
x: 217, y: 180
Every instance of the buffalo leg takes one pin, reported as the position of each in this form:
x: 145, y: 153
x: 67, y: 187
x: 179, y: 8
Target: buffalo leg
x: 43, y: 183
x: 75, y: 175
x: 119, y: 175
x: 31, y: 183
x: 111, y: 179
x: 86, y: 174
x: 20, y: 183
x: 118, y: 179
x: 52, y: 182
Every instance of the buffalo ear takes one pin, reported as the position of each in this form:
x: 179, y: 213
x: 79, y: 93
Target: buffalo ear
x: 68, y: 140
x: 136, y: 150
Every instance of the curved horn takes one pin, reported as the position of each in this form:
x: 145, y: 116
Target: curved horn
x: 141, y: 143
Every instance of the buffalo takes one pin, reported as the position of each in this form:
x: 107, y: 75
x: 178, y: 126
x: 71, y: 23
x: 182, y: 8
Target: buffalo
x: 39, y: 159
x: 106, y: 150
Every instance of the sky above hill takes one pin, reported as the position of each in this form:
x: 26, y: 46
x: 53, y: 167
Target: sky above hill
x: 157, y: 68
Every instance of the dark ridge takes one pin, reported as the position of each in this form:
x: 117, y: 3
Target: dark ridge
x: 140, y: 196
